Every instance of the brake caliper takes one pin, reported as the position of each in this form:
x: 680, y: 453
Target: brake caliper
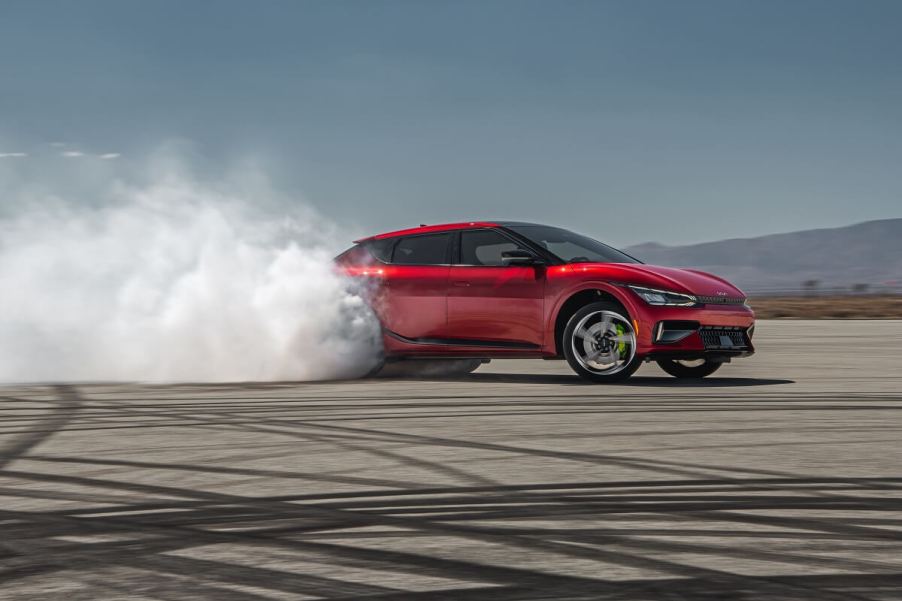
x: 621, y: 346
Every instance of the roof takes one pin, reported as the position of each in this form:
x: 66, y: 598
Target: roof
x: 443, y: 227
x: 515, y: 223
x: 428, y: 229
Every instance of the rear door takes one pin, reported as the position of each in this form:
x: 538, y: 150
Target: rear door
x: 413, y: 301
x: 489, y: 301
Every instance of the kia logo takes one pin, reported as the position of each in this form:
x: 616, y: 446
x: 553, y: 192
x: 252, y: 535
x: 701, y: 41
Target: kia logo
x: 719, y: 293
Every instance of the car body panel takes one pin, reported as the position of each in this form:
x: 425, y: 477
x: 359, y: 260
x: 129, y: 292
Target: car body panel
x: 687, y: 281
x: 411, y: 300
x: 496, y: 303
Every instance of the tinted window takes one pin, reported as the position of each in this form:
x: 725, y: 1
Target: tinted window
x: 356, y: 255
x: 484, y: 247
x: 367, y: 251
x: 571, y: 247
x: 381, y: 249
x: 422, y: 250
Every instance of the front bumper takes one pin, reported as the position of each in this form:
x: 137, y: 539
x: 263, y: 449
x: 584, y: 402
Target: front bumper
x: 709, y: 332
x: 714, y: 356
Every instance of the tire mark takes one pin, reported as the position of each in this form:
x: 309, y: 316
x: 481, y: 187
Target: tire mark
x: 66, y: 407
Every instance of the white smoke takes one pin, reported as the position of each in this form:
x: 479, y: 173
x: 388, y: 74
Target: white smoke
x: 173, y: 280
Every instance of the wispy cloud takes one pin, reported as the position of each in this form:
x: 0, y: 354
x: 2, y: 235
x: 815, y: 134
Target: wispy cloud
x: 58, y: 144
x: 76, y: 154
x: 13, y: 155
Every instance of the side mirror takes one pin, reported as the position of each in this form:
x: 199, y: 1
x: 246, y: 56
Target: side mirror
x: 520, y: 256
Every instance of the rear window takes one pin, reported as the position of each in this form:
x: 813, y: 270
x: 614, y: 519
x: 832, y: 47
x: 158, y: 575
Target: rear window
x: 356, y: 255
x: 368, y: 252
x: 431, y: 249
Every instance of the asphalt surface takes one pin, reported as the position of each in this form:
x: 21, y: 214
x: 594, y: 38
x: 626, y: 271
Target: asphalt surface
x: 778, y: 478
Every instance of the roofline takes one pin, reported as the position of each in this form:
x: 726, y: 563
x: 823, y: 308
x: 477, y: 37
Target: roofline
x: 429, y: 229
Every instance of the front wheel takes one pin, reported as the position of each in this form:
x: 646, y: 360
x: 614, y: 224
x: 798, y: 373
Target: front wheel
x: 600, y: 343
x: 686, y: 368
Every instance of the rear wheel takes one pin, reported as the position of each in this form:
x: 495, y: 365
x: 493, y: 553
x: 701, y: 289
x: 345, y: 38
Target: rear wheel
x: 689, y: 368
x: 600, y: 343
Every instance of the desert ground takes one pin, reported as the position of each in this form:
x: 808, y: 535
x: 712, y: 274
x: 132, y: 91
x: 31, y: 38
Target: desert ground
x: 780, y: 477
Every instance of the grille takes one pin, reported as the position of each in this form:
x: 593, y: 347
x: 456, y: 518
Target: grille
x: 723, y: 337
x: 721, y: 300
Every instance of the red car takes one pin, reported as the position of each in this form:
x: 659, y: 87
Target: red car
x: 469, y: 292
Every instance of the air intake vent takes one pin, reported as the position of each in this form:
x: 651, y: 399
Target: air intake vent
x: 721, y: 300
x: 722, y: 338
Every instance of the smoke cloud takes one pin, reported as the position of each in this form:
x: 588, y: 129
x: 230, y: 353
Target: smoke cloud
x: 173, y: 279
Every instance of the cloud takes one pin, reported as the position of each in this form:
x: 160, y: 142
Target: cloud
x: 75, y: 154
x: 13, y: 155
x: 58, y: 144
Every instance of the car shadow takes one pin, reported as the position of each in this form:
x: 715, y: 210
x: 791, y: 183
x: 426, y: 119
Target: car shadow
x: 710, y: 382
x: 647, y: 381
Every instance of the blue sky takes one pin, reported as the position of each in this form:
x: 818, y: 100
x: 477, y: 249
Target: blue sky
x: 630, y: 121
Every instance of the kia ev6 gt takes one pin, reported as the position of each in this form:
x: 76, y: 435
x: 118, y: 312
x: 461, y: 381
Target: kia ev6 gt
x: 465, y: 293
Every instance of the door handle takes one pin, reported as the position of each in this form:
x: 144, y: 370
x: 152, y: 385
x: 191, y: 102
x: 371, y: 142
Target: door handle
x: 461, y: 283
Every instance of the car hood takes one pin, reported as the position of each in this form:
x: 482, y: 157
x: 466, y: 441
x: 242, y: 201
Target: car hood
x: 690, y: 281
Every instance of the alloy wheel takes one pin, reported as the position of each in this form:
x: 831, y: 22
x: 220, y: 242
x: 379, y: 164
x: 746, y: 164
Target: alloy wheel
x: 604, y: 342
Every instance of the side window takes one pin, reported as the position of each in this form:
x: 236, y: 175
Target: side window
x: 484, y: 247
x: 356, y: 255
x: 431, y: 249
x: 381, y: 249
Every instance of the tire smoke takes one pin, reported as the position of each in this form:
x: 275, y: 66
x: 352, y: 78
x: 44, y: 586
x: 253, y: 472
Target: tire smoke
x: 174, y: 280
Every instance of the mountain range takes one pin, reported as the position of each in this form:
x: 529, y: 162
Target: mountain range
x: 868, y: 253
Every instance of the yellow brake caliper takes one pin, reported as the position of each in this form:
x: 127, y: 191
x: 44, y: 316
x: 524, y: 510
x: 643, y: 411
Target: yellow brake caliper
x: 621, y: 346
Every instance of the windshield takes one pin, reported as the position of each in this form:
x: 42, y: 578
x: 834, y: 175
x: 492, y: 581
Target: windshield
x: 571, y: 247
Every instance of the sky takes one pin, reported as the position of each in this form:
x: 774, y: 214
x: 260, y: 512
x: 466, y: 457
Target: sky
x: 631, y: 121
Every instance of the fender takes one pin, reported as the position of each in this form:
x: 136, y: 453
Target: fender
x: 617, y: 290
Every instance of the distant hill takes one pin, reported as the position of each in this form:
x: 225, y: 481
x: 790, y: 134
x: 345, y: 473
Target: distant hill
x: 865, y: 253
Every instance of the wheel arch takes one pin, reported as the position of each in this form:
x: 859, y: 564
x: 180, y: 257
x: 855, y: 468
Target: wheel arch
x: 575, y: 299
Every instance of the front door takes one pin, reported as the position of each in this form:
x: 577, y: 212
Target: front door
x: 491, y: 302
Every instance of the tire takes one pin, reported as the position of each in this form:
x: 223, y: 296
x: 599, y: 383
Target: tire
x: 429, y: 368
x: 680, y: 370
x: 599, y: 343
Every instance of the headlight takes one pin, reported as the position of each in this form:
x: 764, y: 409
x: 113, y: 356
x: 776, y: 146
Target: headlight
x: 663, y: 297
